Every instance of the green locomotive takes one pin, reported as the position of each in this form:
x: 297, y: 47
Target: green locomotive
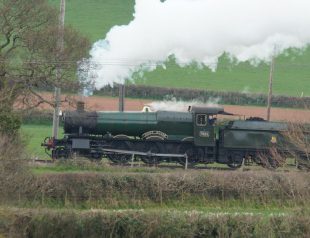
x: 167, y: 136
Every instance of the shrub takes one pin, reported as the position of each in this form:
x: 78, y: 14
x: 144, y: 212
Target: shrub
x: 14, y: 174
x: 263, y: 187
x: 10, y: 122
x: 38, y: 117
x: 298, y: 136
x: 128, y: 223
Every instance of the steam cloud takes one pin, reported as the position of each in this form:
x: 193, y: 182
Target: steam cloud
x: 199, y: 31
x: 182, y: 106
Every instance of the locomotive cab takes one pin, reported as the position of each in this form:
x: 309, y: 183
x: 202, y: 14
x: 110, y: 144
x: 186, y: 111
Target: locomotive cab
x: 203, y: 123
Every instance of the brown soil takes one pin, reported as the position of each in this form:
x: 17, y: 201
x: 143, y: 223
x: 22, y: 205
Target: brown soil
x: 111, y: 104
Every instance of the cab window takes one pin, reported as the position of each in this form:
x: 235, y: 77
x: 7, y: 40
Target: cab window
x: 201, y: 119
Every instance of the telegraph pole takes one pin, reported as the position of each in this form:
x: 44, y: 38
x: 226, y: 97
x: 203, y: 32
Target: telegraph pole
x: 270, y: 87
x: 60, y: 46
x: 121, y: 102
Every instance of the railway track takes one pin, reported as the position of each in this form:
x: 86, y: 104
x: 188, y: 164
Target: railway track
x: 171, y: 166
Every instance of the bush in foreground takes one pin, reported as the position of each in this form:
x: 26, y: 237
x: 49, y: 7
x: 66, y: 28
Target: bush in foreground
x: 111, y: 189
x: 128, y: 223
x: 14, y: 175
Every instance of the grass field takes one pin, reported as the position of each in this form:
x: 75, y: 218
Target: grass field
x: 34, y: 136
x: 94, y: 18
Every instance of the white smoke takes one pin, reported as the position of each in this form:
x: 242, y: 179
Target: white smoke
x: 199, y: 31
x: 182, y: 106
x: 246, y: 90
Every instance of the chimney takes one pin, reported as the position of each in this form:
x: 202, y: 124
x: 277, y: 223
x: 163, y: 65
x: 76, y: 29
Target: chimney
x: 80, y: 106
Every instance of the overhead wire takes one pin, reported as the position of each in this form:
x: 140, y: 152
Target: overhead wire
x: 169, y: 63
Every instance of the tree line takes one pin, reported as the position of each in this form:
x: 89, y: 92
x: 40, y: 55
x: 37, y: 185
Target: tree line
x: 232, y: 98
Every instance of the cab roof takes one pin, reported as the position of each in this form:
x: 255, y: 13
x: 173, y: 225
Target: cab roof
x: 208, y: 110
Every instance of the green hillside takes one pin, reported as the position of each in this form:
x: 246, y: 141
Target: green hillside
x: 94, y: 18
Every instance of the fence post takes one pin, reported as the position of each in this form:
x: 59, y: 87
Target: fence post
x: 132, y: 159
x: 186, y: 161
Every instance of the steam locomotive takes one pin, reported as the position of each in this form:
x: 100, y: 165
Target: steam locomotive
x: 190, y: 138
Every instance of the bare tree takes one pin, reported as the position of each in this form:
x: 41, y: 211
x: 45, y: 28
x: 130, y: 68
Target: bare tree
x: 29, y: 55
x: 14, y: 174
x: 299, y: 147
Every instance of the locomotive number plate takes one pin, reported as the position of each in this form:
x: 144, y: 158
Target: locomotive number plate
x: 204, y: 134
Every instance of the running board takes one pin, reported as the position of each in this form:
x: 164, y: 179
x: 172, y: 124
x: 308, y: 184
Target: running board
x: 149, y: 154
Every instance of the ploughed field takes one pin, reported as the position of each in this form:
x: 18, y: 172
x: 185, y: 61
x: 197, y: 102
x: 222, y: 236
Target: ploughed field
x: 111, y: 104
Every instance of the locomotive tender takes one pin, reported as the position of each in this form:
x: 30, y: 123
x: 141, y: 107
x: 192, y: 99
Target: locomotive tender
x: 167, y: 136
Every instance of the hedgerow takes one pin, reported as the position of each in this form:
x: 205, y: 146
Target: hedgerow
x: 129, y: 223
x: 233, y: 98
x: 261, y: 188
